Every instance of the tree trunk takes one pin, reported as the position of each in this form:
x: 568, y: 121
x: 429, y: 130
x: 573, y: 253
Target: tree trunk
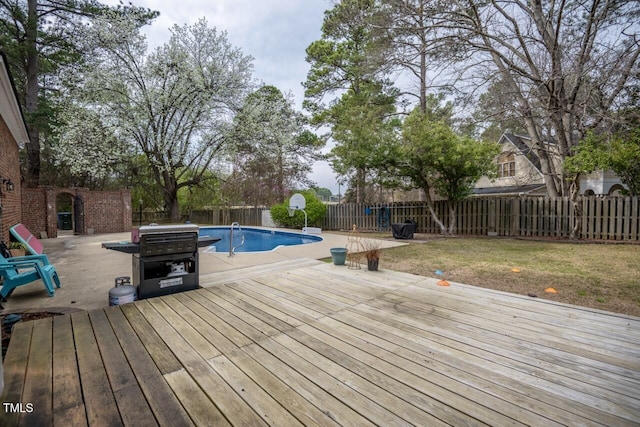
x: 174, y: 210
x: 546, y: 161
x: 576, y: 201
x: 360, y: 185
x: 170, y: 194
x: 281, y: 185
x: 434, y: 214
x: 423, y: 80
x: 452, y: 217
x: 171, y: 204
x: 31, y: 97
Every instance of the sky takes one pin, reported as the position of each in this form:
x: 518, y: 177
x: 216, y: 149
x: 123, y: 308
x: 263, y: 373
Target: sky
x: 275, y: 33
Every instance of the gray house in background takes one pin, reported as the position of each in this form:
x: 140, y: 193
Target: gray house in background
x: 519, y: 173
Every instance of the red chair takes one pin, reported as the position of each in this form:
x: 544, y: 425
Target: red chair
x: 24, y: 236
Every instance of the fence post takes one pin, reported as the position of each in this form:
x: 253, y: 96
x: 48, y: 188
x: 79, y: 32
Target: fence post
x: 626, y: 226
x: 634, y: 219
x: 491, y: 228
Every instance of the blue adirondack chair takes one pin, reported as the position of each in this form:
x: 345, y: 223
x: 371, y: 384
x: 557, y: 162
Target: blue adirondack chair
x: 18, y: 271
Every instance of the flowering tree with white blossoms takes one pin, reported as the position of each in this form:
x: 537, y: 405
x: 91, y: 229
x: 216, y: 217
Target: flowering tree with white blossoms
x: 85, y: 147
x: 175, y: 105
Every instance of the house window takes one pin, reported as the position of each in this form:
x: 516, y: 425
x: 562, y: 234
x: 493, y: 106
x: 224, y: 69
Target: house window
x: 506, y: 166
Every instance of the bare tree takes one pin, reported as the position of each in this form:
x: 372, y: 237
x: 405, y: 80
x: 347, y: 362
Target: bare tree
x: 272, y: 151
x: 417, y: 43
x: 566, y: 63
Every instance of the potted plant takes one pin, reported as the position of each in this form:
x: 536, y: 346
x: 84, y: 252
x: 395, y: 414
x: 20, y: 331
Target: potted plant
x: 372, y: 253
x: 17, y: 249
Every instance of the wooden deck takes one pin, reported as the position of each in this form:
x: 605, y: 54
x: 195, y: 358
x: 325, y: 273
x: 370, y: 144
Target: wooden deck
x: 315, y: 344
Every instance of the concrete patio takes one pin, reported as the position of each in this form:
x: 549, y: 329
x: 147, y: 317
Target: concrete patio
x: 87, y: 271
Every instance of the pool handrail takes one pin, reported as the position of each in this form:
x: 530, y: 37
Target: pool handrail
x: 232, y: 249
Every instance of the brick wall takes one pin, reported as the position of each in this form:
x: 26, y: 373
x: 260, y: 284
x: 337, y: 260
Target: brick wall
x: 107, y: 211
x: 9, y: 169
x: 101, y: 211
x: 34, y: 214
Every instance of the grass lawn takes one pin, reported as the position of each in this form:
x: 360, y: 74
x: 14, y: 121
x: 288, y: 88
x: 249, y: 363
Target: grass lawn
x: 602, y: 276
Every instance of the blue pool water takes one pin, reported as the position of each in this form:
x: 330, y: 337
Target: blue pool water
x: 256, y: 239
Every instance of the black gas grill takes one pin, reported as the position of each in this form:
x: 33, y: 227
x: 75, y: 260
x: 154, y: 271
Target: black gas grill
x: 165, y: 259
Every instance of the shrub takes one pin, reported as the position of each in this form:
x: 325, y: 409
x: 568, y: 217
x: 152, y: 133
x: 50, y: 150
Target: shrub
x: 315, y: 212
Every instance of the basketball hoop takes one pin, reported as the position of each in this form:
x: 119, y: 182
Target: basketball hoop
x: 297, y: 202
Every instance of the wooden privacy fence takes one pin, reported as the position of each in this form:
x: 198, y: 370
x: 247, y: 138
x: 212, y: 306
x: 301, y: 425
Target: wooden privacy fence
x: 215, y: 216
x: 603, y: 218
x: 227, y: 216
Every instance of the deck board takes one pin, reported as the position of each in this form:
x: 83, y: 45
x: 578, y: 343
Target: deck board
x: 524, y: 333
x: 68, y: 406
x: 610, y: 361
x: 286, y: 306
x: 431, y: 372
x: 555, y: 334
x: 99, y: 399
x: 233, y: 338
x: 201, y: 409
x: 490, y: 353
x: 380, y: 389
x: 258, y: 399
x: 15, y: 371
x: 304, y: 383
x: 262, y: 317
x: 39, y: 381
x: 218, y: 391
x: 308, y: 343
x: 162, y: 356
x: 132, y: 404
x: 286, y: 393
x: 195, y: 315
x: 165, y: 406
x: 349, y: 398
x: 279, y: 311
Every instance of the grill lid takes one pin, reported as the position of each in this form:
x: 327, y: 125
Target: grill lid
x: 165, y: 229
x: 163, y: 239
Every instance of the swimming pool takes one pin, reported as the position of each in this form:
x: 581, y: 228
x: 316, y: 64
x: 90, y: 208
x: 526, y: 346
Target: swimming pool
x: 255, y: 239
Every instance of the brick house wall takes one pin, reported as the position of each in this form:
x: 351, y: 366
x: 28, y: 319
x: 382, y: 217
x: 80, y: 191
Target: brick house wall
x: 98, y: 211
x: 34, y: 215
x: 12, y: 133
x: 9, y: 169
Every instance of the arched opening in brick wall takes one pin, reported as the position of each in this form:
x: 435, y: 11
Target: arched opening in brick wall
x: 45, y: 210
x: 65, y: 212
